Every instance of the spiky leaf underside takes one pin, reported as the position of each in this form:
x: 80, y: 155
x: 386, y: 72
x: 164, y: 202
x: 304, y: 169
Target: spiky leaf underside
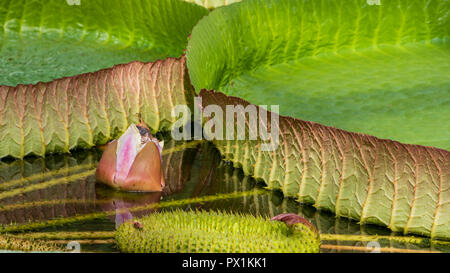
x: 376, y: 181
x: 200, y: 232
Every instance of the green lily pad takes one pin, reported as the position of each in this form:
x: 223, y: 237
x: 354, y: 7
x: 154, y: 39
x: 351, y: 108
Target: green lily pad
x: 375, y: 69
x: 48, y: 39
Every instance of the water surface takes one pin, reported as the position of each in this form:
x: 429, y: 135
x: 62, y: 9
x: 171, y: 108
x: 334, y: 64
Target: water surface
x: 58, y: 199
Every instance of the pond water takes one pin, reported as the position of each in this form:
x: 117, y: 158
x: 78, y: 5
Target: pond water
x: 57, y: 199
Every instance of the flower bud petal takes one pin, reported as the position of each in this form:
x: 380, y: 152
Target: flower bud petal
x: 128, y: 147
x: 146, y: 172
x: 106, y: 169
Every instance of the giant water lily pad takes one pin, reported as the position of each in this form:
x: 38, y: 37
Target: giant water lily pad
x: 376, y: 69
x: 43, y: 40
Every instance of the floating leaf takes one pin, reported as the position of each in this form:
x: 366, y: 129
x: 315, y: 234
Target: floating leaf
x: 375, y: 181
x: 92, y: 108
x: 47, y: 39
x: 375, y: 69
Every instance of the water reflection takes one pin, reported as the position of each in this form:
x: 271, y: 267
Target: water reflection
x: 114, y: 200
x: 63, y: 186
x: 38, y: 189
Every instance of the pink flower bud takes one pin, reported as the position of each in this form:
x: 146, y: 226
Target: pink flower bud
x: 133, y: 162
